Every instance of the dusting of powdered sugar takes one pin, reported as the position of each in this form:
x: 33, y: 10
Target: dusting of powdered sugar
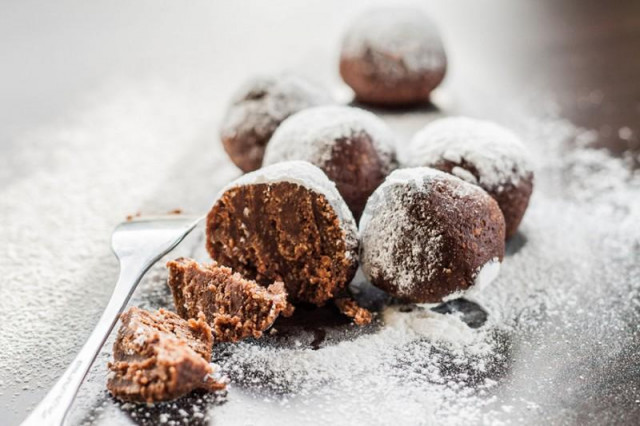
x: 559, y: 345
x: 543, y: 332
x: 496, y: 155
x: 75, y: 180
x: 263, y: 102
x: 140, y: 336
x: 311, y: 177
x: 388, y: 225
x: 402, y: 39
x: 484, y: 276
x: 312, y: 134
x: 394, y: 365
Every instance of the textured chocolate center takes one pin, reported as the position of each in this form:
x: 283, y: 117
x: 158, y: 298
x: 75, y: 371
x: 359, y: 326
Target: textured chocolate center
x: 281, y: 232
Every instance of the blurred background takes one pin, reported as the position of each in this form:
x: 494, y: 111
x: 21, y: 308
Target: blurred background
x: 110, y: 108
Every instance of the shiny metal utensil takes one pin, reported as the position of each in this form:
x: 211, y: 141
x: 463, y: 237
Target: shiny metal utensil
x: 137, y: 244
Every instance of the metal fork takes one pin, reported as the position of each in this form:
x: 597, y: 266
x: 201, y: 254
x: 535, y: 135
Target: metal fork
x: 137, y: 244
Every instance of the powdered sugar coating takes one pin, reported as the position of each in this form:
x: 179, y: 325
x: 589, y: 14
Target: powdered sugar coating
x: 392, y: 33
x: 390, y: 223
x: 311, y: 134
x: 311, y: 177
x: 260, y: 105
x: 488, y: 155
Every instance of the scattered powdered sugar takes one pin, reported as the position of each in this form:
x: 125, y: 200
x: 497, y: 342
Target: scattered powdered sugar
x: 74, y: 181
x: 566, y: 293
x: 495, y: 155
x: 311, y: 135
x: 311, y: 177
x: 140, y: 336
x: 421, y: 178
x: 395, y: 34
x: 487, y: 273
x: 395, y: 365
x: 559, y: 345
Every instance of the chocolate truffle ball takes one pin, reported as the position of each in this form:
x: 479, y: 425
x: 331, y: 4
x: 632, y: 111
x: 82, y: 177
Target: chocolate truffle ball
x: 392, y: 56
x: 426, y: 236
x: 258, y: 109
x: 352, y: 146
x: 286, y: 222
x: 482, y: 153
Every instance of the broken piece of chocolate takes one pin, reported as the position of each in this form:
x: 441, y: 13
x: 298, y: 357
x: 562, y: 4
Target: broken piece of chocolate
x: 351, y: 309
x: 159, y: 356
x: 236, y: 308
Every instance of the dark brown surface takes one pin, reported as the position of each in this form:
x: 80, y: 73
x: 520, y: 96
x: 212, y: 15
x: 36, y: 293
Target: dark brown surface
x: 589, y: 54
x: 350, y: 308
x: 372, y: 88
x: 285, y: 232
x: 158, y: 356
x: 236, y: 308
x: 470, y: 229
x: 512, y: 199
x: 357, y: 170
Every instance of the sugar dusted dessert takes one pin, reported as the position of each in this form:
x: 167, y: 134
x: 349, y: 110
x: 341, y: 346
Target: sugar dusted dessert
x: 352, y: 146
x: 159, y: 356
x: 256, y: 111
x: 392, y: 55
x: 427, y: 236
x: 482, y: 153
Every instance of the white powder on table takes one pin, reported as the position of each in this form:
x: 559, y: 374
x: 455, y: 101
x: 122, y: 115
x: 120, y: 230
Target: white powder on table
x: 565, y: 305
x: 103, y: 161
x: 566, y: 286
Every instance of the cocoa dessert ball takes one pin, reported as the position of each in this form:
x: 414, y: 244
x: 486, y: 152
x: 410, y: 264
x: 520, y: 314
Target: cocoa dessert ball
x: 392, y: 56
x: 352, y: 146
x: 427, y: 236
x: 482, y: 153
x: 286, y: 222
x: 257, y: 110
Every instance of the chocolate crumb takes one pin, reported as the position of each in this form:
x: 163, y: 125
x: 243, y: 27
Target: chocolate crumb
x: 130, y: 217
x: 350, y: 308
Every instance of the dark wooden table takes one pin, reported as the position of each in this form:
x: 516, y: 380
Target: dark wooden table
x: 588, y: 51
x: 58, y: 59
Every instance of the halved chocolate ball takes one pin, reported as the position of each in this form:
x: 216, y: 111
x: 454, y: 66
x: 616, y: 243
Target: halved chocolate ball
x: 426, y: 235
x: 286, y: 222
x: 352, y: 146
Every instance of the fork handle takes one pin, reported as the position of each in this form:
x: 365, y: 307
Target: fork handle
x: 53, y: 409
